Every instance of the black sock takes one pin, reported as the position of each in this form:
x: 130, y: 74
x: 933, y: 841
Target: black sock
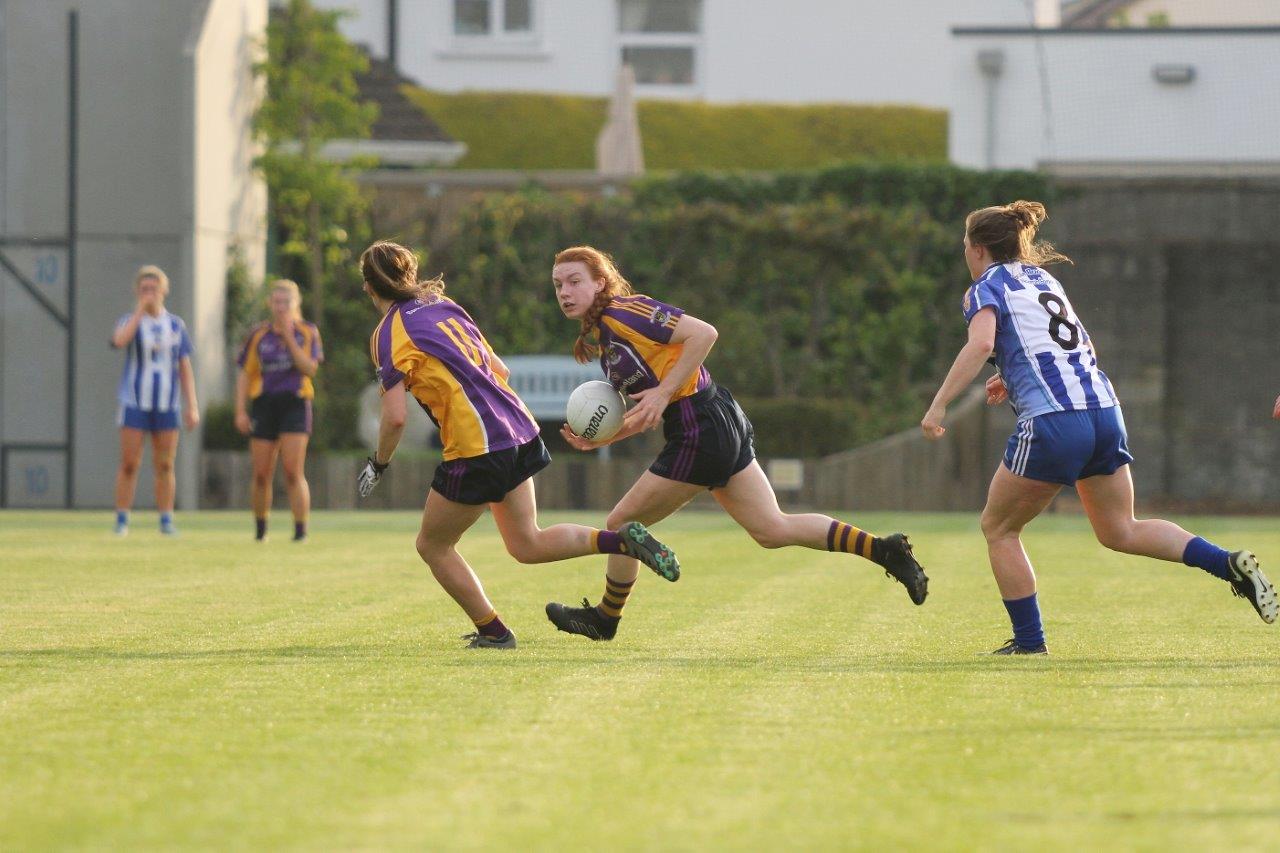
x: 299, y: 530
x: 259, y: 528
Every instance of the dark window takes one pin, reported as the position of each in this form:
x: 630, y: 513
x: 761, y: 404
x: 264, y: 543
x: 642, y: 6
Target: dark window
x: 660, y: 16
x: 660, y: 66
x: 518, y: 16
x: 471, y: 17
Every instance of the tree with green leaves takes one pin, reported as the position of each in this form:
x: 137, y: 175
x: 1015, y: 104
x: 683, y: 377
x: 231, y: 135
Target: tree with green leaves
x: 311, y: 99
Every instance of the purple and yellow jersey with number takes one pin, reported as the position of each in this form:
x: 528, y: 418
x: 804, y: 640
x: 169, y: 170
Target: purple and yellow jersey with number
x: 266, y: 360
x: 436, y: 350
x: 635, y: 345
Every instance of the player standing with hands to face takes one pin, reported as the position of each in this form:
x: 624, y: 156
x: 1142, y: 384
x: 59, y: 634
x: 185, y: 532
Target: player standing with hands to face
x: 654, y: 352
x: 427, y: 346
x: 274, y: 391
x: 157, y: 364
x: 1070, y: 429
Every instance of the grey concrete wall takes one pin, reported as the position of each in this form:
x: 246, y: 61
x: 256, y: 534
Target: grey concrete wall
x: 163, y: 179
x: 1178, y: 282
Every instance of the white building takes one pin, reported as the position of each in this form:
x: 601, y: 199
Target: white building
x: 163, y: 175
x: 780, y: 51
x: 1183, y: 100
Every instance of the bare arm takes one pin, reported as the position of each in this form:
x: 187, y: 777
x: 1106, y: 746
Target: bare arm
x: 302, y: 360
x: 243, y: 424
x: 969, y: 361
x: 580, y: 443
x: 120, y: 337
x: 499, y: 366
x: 191, y: 406
x: 242, y: 393
x: 391, y: 426
x: 698, y: 337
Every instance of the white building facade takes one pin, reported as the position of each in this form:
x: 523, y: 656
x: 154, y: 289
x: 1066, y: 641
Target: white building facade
x: 724, y: 51
x: 163, y: 175
x: 1190, y: 100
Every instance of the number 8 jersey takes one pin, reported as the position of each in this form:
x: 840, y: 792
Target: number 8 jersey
x: 436, y: 350
x: 1042, y: 351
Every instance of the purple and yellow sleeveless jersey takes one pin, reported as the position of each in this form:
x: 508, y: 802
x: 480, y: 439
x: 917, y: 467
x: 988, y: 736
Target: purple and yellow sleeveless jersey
x: 436, y: 350
x: 270, y: 368
x: 635, y: 345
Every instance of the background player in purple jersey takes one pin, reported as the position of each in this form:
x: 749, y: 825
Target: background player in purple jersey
x: 427, y: 346
x: 157, y: 364
x: 273, y: 403
x: 1070, y: 430
x: 654, y: 352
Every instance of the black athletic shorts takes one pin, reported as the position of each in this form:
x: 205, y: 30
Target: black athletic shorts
x: 272, y: 414
x: 487, y: 479
x: 709, y: 439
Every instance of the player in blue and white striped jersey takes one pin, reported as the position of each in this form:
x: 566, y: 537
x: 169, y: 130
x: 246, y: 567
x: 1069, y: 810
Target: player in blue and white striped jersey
x: 156, y: 381
x: 1070, y: 428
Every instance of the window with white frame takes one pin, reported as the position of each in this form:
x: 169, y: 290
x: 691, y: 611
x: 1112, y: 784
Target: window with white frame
x: 496, y: 19
x: 660, y: 40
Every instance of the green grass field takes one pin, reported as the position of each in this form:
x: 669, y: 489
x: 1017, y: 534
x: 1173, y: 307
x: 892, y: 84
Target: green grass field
x: 205, y: 692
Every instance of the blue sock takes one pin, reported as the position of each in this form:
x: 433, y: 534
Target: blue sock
x: 1024, y: 613
x: 122, y: 517
x: 166, y: 519
x: 1205, y: 555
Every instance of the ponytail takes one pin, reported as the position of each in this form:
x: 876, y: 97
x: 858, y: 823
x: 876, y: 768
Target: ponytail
x: 1009, y: 233
x: 391, y: 271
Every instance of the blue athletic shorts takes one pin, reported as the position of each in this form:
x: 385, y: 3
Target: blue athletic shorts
x: 147, y: 421
x: 1062, y: 447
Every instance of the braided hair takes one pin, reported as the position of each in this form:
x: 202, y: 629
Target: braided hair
x: 391, y: 271
x: 602, y: 268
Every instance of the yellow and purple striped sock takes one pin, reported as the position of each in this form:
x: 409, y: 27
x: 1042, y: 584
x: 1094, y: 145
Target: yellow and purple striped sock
x: 850, y: 540
x: 615, y: 597
x: 607, y: 542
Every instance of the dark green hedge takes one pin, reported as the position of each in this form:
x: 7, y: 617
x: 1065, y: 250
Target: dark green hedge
x: 814, y: 301
x: 836, y: 291
x: 946, y: 192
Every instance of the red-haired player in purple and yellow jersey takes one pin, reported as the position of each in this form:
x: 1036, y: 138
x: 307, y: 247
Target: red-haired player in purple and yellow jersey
x: 654, y: 352
x: 428, y: 346
x: 273, y: 403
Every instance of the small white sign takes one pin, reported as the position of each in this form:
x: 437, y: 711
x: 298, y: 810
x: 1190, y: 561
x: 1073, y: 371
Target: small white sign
x: 786, y: 474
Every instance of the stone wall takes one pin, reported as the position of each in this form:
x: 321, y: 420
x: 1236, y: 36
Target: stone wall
x: 1178, y: 282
